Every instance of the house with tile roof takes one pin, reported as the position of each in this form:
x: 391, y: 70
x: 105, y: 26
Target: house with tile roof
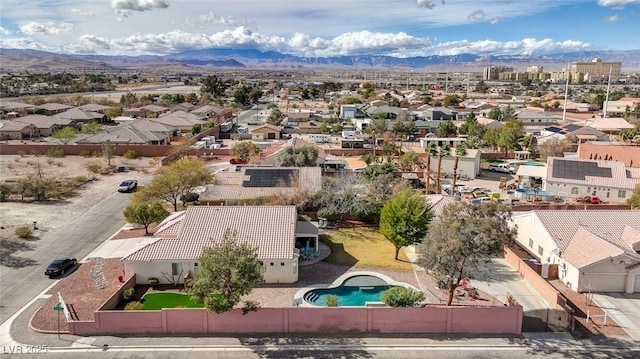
x: 42, y: 126
x: 274, y: 231
x: 611, y: 125
x: 52, y: 108
x: 16, y: 130
x: 595, y: 250
x: 78, y: 116
x: 93, y: 107
x: 574, y: 177
x: 140, y: 131
x: 266, y: 132
x: 622, y: 152
x: 183, y: 121
x: 251, y: 183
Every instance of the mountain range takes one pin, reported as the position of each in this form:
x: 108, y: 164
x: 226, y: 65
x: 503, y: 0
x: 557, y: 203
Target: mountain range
x: 34, y: 60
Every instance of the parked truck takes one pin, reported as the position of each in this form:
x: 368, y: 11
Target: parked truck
x: 502, y: 167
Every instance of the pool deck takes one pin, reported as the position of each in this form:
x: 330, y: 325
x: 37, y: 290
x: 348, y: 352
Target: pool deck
x: 282, y: 295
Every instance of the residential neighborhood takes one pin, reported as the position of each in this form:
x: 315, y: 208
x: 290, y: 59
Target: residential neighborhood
x: 307, y: 208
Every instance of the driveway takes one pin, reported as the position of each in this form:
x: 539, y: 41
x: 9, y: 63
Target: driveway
x: 624, y: 309
x: 498, y: 278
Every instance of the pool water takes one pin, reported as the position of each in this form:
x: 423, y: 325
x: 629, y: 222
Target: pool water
x: 348, y: 296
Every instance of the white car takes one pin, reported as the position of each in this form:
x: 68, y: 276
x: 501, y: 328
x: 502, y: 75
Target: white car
x: 128, y: 186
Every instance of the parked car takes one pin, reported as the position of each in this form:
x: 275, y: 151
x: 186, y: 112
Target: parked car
x: 60, y: 266
x: 590, y: 200
x: 128, y: 186
x: 237, y: 161
x: 502, y: 167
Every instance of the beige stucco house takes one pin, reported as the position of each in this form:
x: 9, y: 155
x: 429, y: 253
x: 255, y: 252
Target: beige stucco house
x: 273, y: 230
x: 595, y: 250
x: 266, y: 132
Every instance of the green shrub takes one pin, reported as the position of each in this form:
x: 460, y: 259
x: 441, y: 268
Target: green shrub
x: 5, y: 191
x: 332, y: 301
x: 131, y: 155
x: 134, y: 306
x: 153, y: 282
x: 54, y: 152
x: 402, y: 297
x: 327, y: 213
x: 24, y: 232
x: 127, y: 294
x: 85, y: 153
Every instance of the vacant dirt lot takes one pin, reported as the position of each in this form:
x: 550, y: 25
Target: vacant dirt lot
x: 51, y: 214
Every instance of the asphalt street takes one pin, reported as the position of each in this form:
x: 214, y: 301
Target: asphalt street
x: 81, y: 235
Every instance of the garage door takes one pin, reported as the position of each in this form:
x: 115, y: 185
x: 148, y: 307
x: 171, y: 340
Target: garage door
x: 603, y: 283
x: 636, y: 284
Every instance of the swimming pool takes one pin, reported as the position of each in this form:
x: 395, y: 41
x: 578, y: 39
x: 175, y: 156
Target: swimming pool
x: 532, y: 194
x: 352, y: 290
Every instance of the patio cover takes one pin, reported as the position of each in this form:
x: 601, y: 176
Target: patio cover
x: 532, y: 171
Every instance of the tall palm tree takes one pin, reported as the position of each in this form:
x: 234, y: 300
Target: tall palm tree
x: 443, y: 151
x: 431, y: 150
x: 461, y: 151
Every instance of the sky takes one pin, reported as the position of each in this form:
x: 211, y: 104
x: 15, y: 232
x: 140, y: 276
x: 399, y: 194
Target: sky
x: 321, y: 28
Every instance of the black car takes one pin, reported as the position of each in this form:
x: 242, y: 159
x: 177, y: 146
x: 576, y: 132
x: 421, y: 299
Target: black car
x: 60, y: 266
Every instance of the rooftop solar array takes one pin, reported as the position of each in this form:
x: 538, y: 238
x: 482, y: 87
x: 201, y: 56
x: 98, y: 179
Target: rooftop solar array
x: 578, y: 170
x: 572, y: 128
x: 553, y: 129
x: 271, y: 177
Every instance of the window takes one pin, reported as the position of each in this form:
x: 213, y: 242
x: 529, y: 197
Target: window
x: 271, y: 264
x: 176, y: 268
x: 540, y: 250
x: 530, y: 243
x: 195, y: 267
x: 574, y: 190
x: 281, y: 264
x: 622, y: 193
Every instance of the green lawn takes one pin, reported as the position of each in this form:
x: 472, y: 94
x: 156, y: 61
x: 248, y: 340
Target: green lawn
x: 157, y: 301
x: 364, y: 247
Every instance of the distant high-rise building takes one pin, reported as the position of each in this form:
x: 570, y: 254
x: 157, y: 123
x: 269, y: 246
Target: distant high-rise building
x: 534, y: 69
x: 598, y: 71
x: 493, y: 72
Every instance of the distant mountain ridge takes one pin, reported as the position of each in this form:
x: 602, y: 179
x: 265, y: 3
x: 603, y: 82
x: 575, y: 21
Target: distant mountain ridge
x: 252, y: 58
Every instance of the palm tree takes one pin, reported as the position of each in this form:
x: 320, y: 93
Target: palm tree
x: 461, y: 151
x: 431, y: 150
x: 377, y: 127
x: 443, y: 151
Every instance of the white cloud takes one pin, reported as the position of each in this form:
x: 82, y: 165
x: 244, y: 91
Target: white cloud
x: 4, y: 31
x: 527, y: 46
x: 477, y: 15
x: 211, y: 19
x: 494, y: 21
x: 82, y: 13
x: 427, y: 4
x: 21, y: 43
x: 138, y: 5
x: 617, y: 4
x: 46, y: 28
x: 612, y: 18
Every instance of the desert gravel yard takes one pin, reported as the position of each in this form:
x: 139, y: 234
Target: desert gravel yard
x: 84, y: 290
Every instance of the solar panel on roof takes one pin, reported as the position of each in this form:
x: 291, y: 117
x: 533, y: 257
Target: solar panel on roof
x: 572, y: 128
x: 271, y: 177
x: 553, y: 129
x: 578, y: 170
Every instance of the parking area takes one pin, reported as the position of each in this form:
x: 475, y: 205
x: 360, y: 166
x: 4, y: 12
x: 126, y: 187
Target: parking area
x: 623, y: 308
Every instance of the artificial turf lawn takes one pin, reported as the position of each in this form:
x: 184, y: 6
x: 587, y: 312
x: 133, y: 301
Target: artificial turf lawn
x: 365, y: 247
x: 158, y: 301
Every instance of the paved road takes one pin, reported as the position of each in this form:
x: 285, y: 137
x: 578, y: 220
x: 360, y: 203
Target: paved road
x: 81, y: 235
